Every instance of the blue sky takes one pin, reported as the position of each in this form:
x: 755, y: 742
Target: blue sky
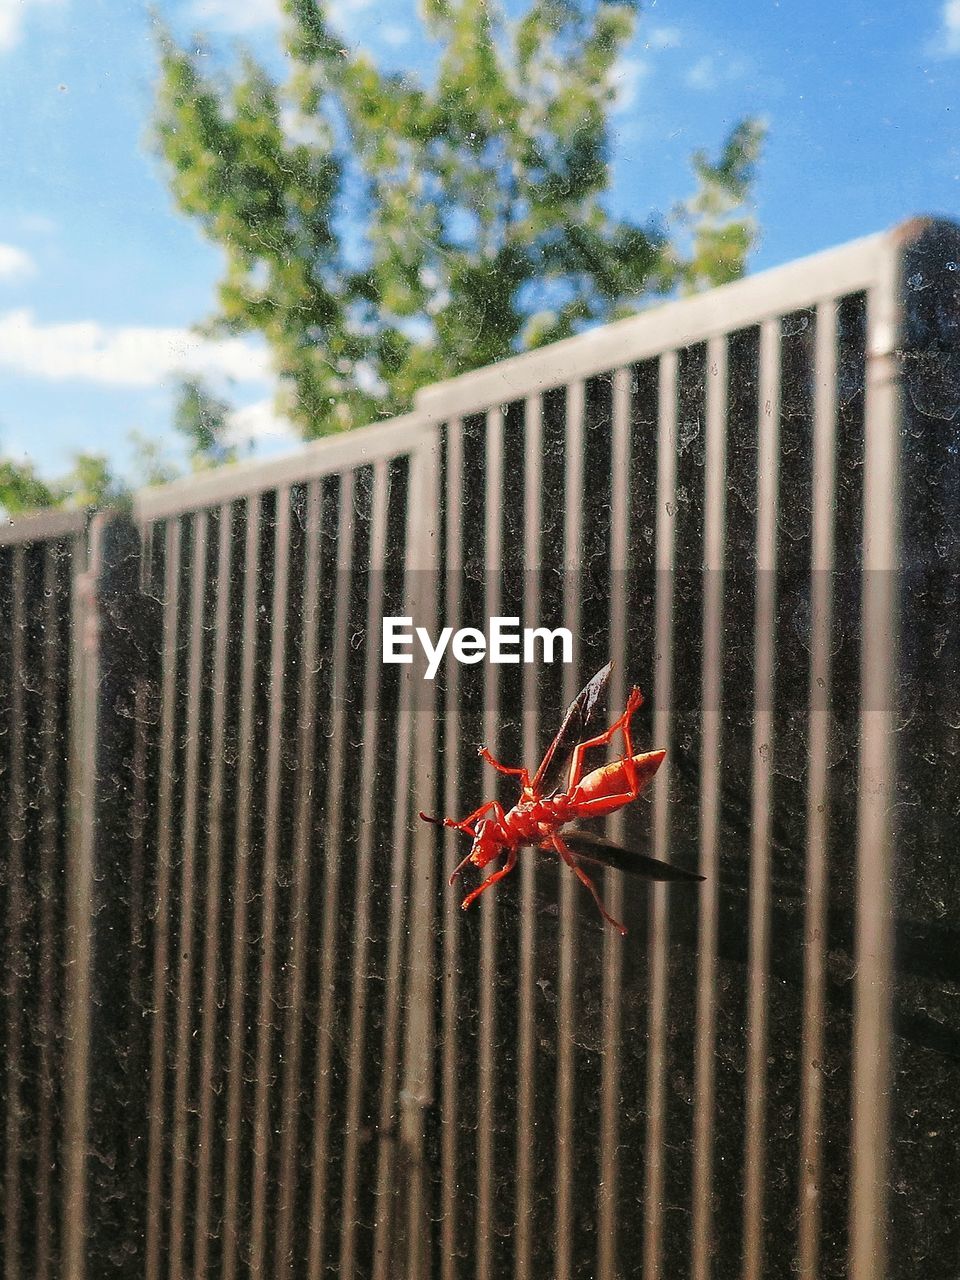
x: 101, y: 280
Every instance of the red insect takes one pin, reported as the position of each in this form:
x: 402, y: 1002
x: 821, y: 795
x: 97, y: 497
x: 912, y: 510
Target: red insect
x: 548, y: 802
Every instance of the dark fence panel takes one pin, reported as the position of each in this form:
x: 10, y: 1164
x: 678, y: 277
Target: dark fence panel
x: 246, y: 1028
x: 657, y: 1112
x: 925, y: 888
x: 36, y: 576
x: 278, y: 911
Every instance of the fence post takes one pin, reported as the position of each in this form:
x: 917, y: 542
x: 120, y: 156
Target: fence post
x: 913, y: 391
x: 113, y: 646
x: 417, y: 1086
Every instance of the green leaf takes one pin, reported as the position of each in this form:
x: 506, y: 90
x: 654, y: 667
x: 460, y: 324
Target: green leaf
x: 400, y: 232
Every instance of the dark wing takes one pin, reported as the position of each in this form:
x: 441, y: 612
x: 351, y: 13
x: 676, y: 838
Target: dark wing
x: 594, y: 848
x: 581, y: 714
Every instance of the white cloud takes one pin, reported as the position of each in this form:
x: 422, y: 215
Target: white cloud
x: 241, y: 16
x: 237, y: 15
x: 368, y: 380
x: 341, y: 11
x: 947, y: 41
x: 122, y: 356
x: 298, y: 129
x: 12, y: 15
x: 15, y: 263
x: 625, y: 77
x: 709, y: 73
x: 664, y: 38
x: 395, y: 35
x: 702, y: 75
x: 259, y: 421
x: 37, y: 224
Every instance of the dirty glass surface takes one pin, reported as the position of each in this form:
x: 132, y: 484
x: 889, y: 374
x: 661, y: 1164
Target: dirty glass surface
x: 246, y: 1026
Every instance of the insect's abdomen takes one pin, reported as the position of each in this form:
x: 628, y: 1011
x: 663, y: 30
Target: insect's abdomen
x: 611, y: 781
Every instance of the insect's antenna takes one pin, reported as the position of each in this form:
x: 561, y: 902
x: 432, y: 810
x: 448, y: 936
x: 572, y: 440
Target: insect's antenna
x: 449, y: 822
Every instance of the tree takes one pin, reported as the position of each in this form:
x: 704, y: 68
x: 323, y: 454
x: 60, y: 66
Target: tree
x: 89, y: 483
x: 200, y: 417
x: 382, y: 234
x: 203, y: 420
x: 22, y: 490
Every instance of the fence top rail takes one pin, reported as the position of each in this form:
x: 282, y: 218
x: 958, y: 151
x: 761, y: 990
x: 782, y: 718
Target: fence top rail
x: 357, y: 448
x: 803, y: 283
x: 44, y: 526
x: 668, y: 326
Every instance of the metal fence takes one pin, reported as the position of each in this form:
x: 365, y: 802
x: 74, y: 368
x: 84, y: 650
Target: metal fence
x: 247, y: 1030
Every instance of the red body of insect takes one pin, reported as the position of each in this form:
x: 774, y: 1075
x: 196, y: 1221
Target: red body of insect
x: 541, y: 813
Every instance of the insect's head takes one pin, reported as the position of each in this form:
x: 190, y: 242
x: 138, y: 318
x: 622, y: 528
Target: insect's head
x: 487, y: 842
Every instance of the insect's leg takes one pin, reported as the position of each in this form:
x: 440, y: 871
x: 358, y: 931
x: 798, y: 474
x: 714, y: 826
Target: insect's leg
x: 603, y: 805
x: 582, y: 876
x: 522, y: 774
x: 629, y: 768
x: 505, y: 870
x: 466, y: 824
x: 620, y: 725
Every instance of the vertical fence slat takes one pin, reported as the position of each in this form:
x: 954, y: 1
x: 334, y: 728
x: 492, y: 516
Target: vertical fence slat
x: 241, y: 891
x: 182, y: 1041
x: 53, y: 656
x: 364, y: 872
x: 450, y: 996
x: 715, y: 465
x: 612, y: 994
x: 870, y: 1132
x: 271, y: 853
x: 818, y: 789
x: 654, y: 1163
x: 142, y: 844
x: 493, y: 563
x: 77, y: 948
x: 386, y: 1197
x: 300, y: 899
x: 212, y: 941
x: 566, y: 980
x: 161, y: 946
x: 418, y: 1064
x: 762, y: 810
x: 526, y: 1042
x: 331, y: 882
x: 16, y: 908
